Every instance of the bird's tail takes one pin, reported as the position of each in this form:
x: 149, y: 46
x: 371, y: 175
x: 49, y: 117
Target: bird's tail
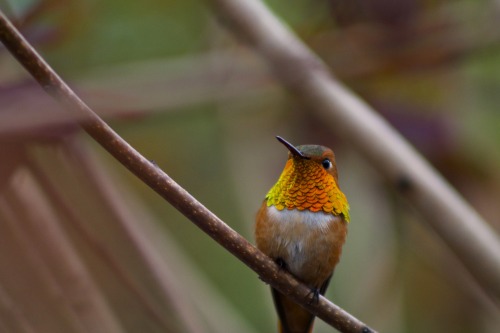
x: 292, y: 317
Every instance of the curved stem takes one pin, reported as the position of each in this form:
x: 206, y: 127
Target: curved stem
x: 155, y: 178
x: 472, y: 240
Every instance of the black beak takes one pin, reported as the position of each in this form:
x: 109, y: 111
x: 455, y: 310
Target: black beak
x: 291, y: 148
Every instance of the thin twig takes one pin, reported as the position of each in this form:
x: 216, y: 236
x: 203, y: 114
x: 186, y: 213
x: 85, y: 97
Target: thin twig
x: 165, y: 262
x: 155, y: 178
x: 125, y: 222
x: 472, y: 240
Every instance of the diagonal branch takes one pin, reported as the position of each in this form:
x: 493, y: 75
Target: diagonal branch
x: 472, y: 240
x: 169, y: 189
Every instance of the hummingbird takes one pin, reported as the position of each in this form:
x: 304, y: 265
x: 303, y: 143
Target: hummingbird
x: 302, y: 226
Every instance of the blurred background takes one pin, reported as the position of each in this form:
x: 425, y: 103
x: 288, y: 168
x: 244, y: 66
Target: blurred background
x: 86, y: 247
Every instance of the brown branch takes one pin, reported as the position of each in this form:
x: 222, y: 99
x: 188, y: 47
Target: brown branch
x: 165, y: 262
x: 169, y: 189
x: 472, y: 240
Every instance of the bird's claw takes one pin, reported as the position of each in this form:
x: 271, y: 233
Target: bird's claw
x: 281, y: 264
x: 315, y: 296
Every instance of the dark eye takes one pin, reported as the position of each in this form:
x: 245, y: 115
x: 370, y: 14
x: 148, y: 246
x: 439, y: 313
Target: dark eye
x: 326, y: 164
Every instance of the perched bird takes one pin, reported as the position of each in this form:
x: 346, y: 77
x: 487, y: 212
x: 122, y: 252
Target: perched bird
x: 302, y: 225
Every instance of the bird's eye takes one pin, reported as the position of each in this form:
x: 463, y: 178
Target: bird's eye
x: 327, y: 164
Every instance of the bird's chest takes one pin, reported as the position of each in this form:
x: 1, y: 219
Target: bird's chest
x: 306, y: 241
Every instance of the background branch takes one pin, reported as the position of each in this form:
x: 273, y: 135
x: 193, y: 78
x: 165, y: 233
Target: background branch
x: 472, y: 240
x: 168, y: 188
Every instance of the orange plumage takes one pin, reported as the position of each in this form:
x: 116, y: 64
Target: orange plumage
x: 302, y: 225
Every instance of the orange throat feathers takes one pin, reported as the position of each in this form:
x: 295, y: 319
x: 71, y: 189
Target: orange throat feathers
x: 304, y: 184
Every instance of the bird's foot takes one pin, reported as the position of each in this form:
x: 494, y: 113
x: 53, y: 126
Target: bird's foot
x: 314, y: 296
x: 281, y: 264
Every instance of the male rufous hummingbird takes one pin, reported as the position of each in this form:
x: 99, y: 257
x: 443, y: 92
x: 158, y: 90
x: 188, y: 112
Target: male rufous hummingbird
x: 302, y: 225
